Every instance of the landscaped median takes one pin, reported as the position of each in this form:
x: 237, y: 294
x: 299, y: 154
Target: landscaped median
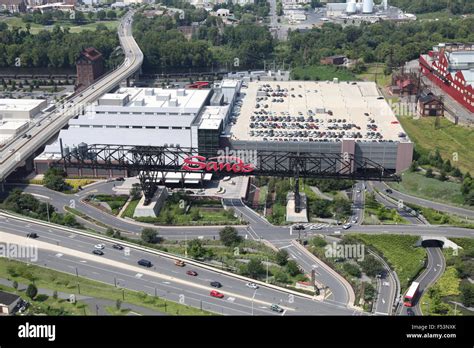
x: 159, y: 253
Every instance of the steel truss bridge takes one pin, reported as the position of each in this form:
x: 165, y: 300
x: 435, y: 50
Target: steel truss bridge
x: 152, y: 164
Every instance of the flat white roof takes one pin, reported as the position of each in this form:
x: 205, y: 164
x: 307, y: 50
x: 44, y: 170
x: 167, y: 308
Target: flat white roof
x: 19, y: 104
x: 163, y: 98
x: 12, y: 125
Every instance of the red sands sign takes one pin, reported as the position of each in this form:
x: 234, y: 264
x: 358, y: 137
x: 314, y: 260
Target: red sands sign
x: 217, y: 164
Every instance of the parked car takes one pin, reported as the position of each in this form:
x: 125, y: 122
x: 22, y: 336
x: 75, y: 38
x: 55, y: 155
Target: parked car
x: 410, y: 312
x: 215, y: 293
x: 120, y: 178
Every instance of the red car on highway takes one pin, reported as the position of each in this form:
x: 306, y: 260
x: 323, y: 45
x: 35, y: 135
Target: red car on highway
x: 215, y: 293
x: 192, y: 273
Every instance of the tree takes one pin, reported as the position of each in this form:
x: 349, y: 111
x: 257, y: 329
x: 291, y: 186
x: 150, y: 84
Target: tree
x: 255, y: 268
x: 15, y: 285
x: 282, y: 257
x: 135, y: 191
x: 293, y: 268
x: 150, y: 235
x: 229, y: 236
x: 371, y: 266
x: 467, y: 293
x: 110, y: 232
x: 111, y: 14
x: 101, y: 15
x: 429, y: 173
x: 352, y: 269
x: 54, y: 179
x: 55, y: 294
x: 413, y: 166
x: 196, y: 249
x: 31, y: 291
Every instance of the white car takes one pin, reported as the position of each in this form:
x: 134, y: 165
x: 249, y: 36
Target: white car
x: 346, y: 226
x: 315, y: 228
x: 99, y: 246
x: 252, y: 285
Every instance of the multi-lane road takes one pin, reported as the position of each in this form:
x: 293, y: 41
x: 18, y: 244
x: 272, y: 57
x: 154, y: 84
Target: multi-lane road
x: 64, y: 250
x: 16, y: 152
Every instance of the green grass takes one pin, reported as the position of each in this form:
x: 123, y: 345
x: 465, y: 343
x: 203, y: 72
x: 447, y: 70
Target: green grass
x: 322, y: 73
x: 449, y: 139
x: 50, y: 279
x: 375, y: 73
x: 439, y: 218
x: 115, y: 202
x: 400, y: 252
x: 446, y: 286
x: 174, y: 214
x: 416, y: 184
x: 130, y: 209
x: 73, y: 28
x: 47, y: 305
x: 262, y: 198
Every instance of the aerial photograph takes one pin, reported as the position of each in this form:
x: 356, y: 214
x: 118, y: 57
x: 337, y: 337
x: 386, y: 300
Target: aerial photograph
x: 215, y: 166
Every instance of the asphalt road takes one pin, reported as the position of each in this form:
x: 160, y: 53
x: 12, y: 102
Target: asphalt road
x: 434, y: 270
x: 170, y: 281
x: 391, y: 205
x: 13, y: 154
x: 463, y: 212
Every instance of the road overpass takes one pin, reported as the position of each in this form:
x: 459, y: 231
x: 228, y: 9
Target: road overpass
x: 14, y: 154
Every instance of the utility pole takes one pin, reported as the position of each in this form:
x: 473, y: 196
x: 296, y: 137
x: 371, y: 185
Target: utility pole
x: 185, y: 244
x: 47, y: 210
x: 267, y: 271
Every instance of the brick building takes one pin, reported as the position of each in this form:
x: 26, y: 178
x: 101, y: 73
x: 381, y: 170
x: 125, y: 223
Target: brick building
x: 430, y: 105
x: 90, y: 66
x: 451, y: 67
x: 404, y: 84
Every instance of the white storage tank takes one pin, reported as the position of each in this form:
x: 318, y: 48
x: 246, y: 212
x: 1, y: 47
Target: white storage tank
x: 351, y: 7
x: 359, y: 7
x: 368, y: 6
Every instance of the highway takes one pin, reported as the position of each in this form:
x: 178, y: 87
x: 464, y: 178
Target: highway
x: 463, y: 212
x: 381, y: 198
x: 67, y: 251
x: 434, y: 270
x: 13, y: 154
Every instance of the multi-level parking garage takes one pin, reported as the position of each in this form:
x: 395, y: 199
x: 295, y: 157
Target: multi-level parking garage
x: 325, y: 117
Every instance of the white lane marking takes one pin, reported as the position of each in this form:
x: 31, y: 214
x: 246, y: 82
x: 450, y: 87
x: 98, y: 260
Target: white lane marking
x: 231, y: 299
x: 83, y: 261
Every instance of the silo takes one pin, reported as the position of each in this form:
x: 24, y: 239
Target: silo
x: 82, y: 149
x: 359, y: 7
x: 368, y: 6
x: 351, y: 7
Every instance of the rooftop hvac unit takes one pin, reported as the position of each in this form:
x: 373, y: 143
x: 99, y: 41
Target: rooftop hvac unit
x: 149, y: 91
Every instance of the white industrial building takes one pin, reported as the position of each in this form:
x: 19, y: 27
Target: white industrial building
x: 148, y: 117
x: 20, y: 109
x: 15, y: 115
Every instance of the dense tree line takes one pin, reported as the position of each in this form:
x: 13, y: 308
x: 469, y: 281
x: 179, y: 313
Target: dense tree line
x: 246, y: 45
x: 58, y: 48
x: 424, y: 6
x: 386, y: 42
x: 26, y: 204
